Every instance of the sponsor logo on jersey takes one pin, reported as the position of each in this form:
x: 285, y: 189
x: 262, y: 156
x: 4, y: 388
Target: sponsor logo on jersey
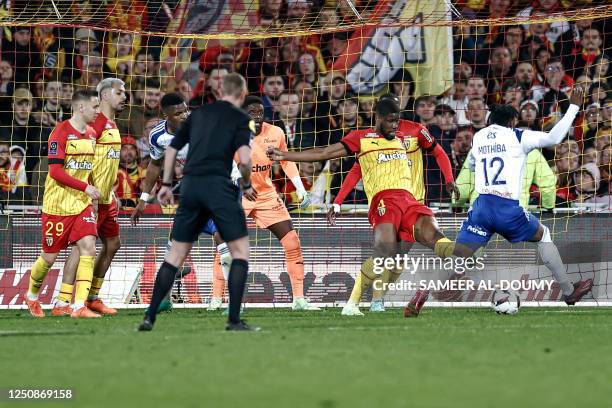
x: 269, y: 141
x: 387, y: 157
x: 72, y: 137
x: 53, y: 148
x: 257, y: 168
x: 78, y: 165
x: 91, y: 219
x: 113, y: 154
x: 476, y: 231
x: 426, y: 135
x: 371, y: 134
x: 381, y: 208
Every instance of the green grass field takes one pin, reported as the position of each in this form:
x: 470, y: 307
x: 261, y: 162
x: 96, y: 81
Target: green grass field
x: 445, y: 358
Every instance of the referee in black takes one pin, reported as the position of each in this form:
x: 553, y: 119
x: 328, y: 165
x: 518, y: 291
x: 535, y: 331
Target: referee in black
x: 215, y: 133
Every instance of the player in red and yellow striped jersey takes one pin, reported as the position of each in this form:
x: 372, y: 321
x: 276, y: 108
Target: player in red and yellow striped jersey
x: 111, y: 92
x: 417, y: 140
x: 68, y: 216
x: 394, y: 212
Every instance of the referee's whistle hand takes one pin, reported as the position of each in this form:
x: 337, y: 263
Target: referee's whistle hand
x: 92, y: 192
x: 165, y: 196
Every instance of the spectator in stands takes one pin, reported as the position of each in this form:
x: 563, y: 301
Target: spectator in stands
x: 290, y: 55
x: 555, y: 99
x: 605, y: 168
x: 121, y: 55
x: 18, y: 153
x: 297, y: 11
x: 458, y: 99
x: 512, y: 93
x: 462, y: 70
x: 542, y: 55
x: 525, y: 77
x: 586, y: 181
x: 6, y: 78
x: 606, y: 118
x: 402, y: 85
x: 544, y: 7
x: 209, y: 91
x: 476, y: 113
x: 91, y: 73
x: 308, y: 70
x: 272, y: 13
x: 598, y: 92
x: 591, y: 49
x: 600, y: 70
x: 13, y: 181
x: 591, y: 124
x: 273, y: 87
x: 66, y: 99
x: 528, y: 115
x: 567, y: 161
x: 51, y: 111
x: 476, y: 88
x: 424, y: 108
x: 499, y: 69
x: 146, y: 64
x: 335, y: 45
x: 288, y: 111
x: 366, y: 109
x: 22, y: 54
x: 184, y: 89
x: 130, y: 175
x: 513, y: 37
x: 568, y: 45
x: 460, y: 147
x: 28, y: 134
x: 144, y: 107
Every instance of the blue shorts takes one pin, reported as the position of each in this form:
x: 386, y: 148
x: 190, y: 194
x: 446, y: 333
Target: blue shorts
x: 210, y: 228
x: 491, y: 214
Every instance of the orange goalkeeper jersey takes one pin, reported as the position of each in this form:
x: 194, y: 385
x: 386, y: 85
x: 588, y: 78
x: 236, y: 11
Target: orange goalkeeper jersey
x: 270, y: 136
x: 106, y: 159
x: 75, y: 151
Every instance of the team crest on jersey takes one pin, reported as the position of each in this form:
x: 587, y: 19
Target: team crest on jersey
x: 113, y: 154
x: 72, y: 137
x: 381, y: 208
x: 49, y: 240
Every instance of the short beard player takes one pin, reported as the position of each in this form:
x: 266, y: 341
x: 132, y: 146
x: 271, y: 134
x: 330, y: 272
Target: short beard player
x: 111, y: 92
x: 394, y: 213
x: 266, y: 207
x: 175, y: 113
x: 418, y: 140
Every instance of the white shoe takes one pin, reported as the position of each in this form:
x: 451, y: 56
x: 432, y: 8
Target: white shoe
x: 301, y: 303
x: 215, y: 304
x: 351, y: 309
x: 505, y: 308
x: 377, y: 306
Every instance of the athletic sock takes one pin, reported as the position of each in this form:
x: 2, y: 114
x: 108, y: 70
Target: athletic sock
x: 364, y: 280
x: 65, y: 294
x: 163, y: 284
x: 218, y: 278
x: 295, y: 262
x: 236, y: 283
x: 96, y: 284
x: 225, y: 258
x: 37, y: 276
x: 551, y: 258
x: 84, y: 274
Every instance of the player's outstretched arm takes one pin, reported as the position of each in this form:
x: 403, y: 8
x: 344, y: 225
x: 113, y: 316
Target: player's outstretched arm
x: 533, y: 140
x: 311, y: 155
x: 153, y: 172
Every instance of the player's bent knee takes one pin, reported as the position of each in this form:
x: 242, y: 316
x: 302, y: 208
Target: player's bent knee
x: 87, y: 246
x: 112, y: 244
x: 291, y: 245
x: 239, y: 248
x: 49, y: 258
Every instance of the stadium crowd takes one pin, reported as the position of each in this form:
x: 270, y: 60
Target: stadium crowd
x: 532, y: 67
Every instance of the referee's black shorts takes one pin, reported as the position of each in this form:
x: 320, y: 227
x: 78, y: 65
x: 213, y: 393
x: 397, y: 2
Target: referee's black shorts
x: 206, y: 197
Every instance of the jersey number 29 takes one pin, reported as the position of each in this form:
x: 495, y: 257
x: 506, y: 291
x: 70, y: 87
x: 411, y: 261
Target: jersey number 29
x: 497, y: 168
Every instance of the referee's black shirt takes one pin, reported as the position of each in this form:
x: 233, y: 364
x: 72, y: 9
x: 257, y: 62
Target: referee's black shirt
x: 214, y: 133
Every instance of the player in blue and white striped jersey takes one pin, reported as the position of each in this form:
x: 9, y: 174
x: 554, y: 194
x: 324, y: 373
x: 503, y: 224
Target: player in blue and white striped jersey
x: 498, y: 157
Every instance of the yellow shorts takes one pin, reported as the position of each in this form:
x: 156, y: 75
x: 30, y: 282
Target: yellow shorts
x: 266, y: 211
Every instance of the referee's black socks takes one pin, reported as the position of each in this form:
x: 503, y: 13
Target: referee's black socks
x: 163, y: 284
x: 236, y: 282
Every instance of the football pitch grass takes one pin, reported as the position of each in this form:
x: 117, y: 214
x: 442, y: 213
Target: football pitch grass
x: 546, y: 357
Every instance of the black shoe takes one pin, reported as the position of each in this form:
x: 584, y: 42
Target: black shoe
x: 146, y: 325
x: 241, y: 326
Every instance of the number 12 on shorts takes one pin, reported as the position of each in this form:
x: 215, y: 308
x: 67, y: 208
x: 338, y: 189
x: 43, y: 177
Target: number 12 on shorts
x: 496, y: 165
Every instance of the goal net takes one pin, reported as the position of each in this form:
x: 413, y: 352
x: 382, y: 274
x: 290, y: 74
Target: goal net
x: 319, y: 67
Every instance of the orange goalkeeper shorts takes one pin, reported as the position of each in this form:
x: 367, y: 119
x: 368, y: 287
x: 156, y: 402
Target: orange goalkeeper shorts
x: 266, y: 211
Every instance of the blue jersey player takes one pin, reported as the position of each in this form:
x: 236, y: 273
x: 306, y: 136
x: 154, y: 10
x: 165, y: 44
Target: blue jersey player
x: 498, y: 157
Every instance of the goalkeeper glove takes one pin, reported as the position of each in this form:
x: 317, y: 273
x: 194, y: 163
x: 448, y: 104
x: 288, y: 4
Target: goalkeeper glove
x: 304, y: 198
